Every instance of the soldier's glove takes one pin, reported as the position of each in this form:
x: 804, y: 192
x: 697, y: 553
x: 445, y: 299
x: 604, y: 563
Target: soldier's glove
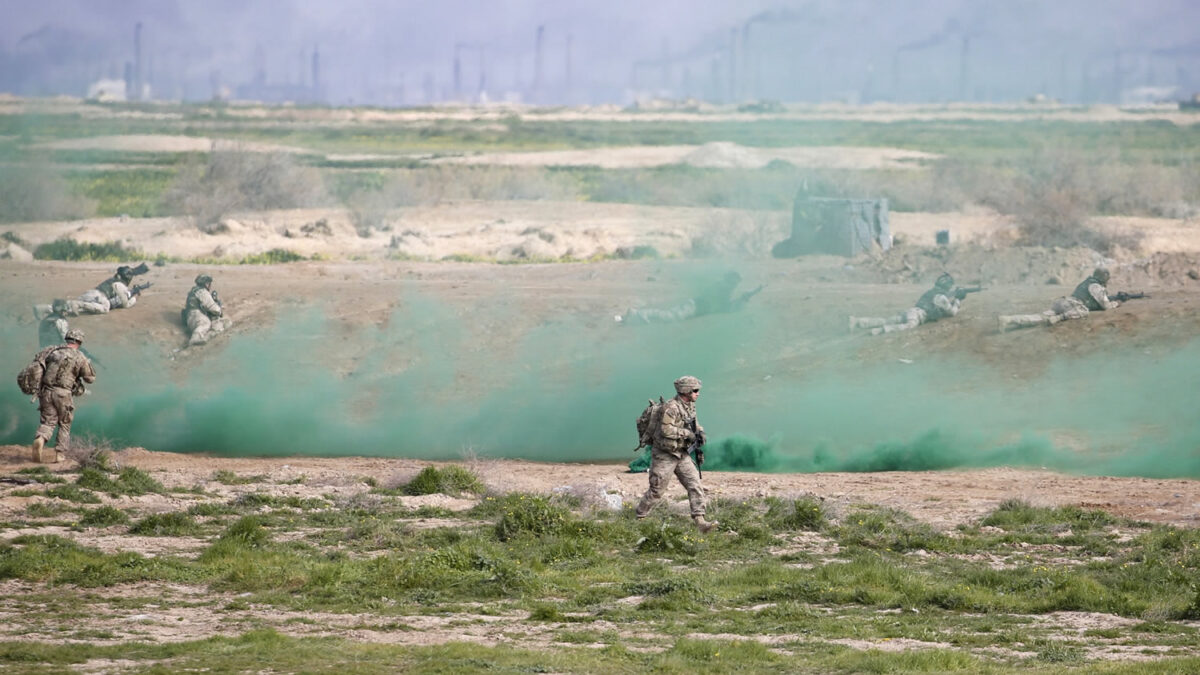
x: 699, y: 457
x: 78, y: 389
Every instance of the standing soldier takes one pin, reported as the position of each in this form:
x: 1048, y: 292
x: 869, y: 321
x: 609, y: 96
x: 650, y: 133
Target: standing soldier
x: 203, y: 313
x: 67, y: 371
x: 1091, y: 295
x: 938, y: 302
x: 676, y: 434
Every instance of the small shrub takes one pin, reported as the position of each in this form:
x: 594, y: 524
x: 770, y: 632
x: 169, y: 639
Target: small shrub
x: 91, y: 452
x: 103, y: 517
x: 530, y: 514
x: 450, y: 480
x: 134, y: 481
x: 174, y: 524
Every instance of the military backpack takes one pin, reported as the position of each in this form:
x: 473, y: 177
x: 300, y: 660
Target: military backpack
x: 648, y: 422
x: 30, y: 378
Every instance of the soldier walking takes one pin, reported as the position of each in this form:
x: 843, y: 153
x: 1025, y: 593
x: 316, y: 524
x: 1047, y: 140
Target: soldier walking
x: 676, y: 434
x: 67, y: 371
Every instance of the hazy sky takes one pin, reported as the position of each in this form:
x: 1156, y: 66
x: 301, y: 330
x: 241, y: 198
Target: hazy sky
x: 393, y: 51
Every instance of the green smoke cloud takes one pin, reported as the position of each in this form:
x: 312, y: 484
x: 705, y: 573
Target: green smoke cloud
x: 433, y: 383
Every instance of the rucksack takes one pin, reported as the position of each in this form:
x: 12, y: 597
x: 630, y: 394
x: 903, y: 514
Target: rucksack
x: 30, y: 379
x: 648, y: 422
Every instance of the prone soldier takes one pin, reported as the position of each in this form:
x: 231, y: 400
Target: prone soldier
x: 203, y: 314
x: 1091, y: 295
x: 939, y: 302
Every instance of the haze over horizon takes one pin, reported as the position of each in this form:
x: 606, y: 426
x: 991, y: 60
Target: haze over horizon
x: 385, y: 53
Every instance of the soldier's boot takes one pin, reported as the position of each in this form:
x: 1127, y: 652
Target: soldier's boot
x: 40, y: 453
x: 703, y: 525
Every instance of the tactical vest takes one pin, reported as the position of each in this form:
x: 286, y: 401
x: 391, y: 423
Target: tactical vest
x: 1081, y: 293
x: 193, y: 302
x: 60, y: 369
x: 932, y: 311
x: 106, y: 287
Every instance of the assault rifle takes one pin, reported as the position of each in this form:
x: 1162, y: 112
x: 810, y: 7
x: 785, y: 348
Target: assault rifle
x: 963, y: 291
x: 696, y: 449
x: 1123, y: 296
x: 745, y: 297
x: 138, y: 288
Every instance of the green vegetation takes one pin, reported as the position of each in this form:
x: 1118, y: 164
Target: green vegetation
x: 795, y: 573
x: 69, y: 249
x: 450, y: 480
x: 131, y: 481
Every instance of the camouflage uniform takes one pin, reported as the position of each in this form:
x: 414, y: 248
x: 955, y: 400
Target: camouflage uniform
x: 67, y: 370
x: 715, y: 299
x: 52, y: 330
x: 934, y: 304
x: 203, y: 313
x: 112, y: 293
x: 1089, y: 296
x: 669, y: 453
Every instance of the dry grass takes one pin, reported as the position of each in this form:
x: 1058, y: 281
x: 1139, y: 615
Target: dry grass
x: 238, y: 180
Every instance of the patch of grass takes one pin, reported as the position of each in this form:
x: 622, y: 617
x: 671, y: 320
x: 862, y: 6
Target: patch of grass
x: 104, y: 516
x: 889, y: 530
x: 136, y: 192
x: 806, y: 513
x: 227, y: 477
x: 449, y: 480
x: 42, y: 474
x: 73, y: 493
x: 530, y: 514
x: 45, y: 509
x: 664, y: 536
x: 274, y: 256
x: 173, y: 524
x: 131, y: 481
x: 69, y: 249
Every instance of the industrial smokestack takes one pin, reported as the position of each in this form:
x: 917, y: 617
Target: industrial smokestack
x: 733, y: 63
x: 537, y: 59
x: 457, y: 70
x: 137, y: 62
x: 316, y: 73
x: 962, y: 68
x: 567, y: 79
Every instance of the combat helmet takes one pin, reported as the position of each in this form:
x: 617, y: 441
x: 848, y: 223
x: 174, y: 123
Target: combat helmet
x: 59, y: 306
x: 1101, y: 274
x: 203, y: 280
x: 125, y: 272
x: 687, y: 384
x: 74, y: 335
x: 945, y: 281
